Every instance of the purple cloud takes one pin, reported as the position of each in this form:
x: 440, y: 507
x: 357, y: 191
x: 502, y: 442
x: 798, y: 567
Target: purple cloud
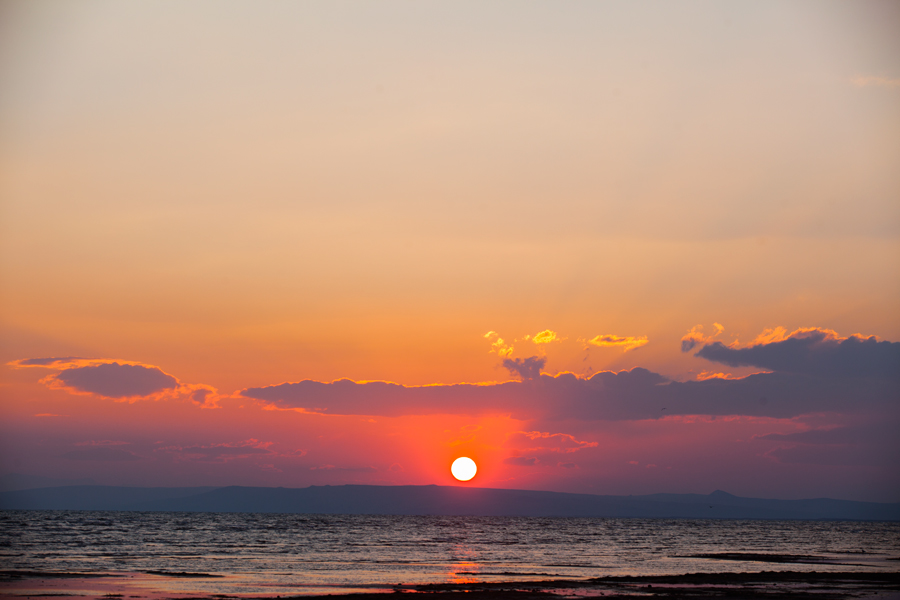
x: 221, y: 452
x: 814, y: 352
x: 521, y: 461
x: 526, y: 368
x: 635, y: 394
x: 45, y: 362
x: 115, y: 380
x: 345, y: 397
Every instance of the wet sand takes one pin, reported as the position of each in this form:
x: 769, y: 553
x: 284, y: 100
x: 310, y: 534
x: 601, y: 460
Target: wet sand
x: 18, y: 585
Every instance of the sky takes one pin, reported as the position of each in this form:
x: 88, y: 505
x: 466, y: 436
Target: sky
x: 613, y: 247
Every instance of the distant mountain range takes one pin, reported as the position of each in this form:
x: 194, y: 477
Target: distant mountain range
x: 437, y: 500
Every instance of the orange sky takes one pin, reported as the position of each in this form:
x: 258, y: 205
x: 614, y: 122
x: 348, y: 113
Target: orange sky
x: 243, y: 196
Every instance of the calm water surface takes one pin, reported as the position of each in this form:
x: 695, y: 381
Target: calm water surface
x: 290, y: 554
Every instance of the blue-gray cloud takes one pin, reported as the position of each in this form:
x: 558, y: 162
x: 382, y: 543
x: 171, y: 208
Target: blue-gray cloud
x: 115, y: 380
x: 814, y: 352
x: 634, y: 394
x: 45, y: 362
x: 219, y: 452
x: 526, y: 368
x: 345, y: 397
x: 688, y: 345
x: 521, y: 461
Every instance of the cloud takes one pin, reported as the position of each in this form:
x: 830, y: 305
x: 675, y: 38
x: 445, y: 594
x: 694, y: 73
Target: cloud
x: 346, y: 397
x: 202, y: 395
x: 768, y: 336
x: 534, y: 448
x: 45, y: 362
x: 101, y: 453
x: 114, y: 380
x: 704, y: 375
x: 526, y: 368
x: 521, y: 461
x: 545, y: 337
x: 695, y: 336
x: 626, y: 395
x: 118, y: 379
x: 498, y: 346
x: 221, y: 452
x: 537, y: 441
x: 812, y: 351
x: 626, y: 343
x: 793, y: 387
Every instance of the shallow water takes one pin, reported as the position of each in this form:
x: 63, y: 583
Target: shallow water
x: 290, y: 553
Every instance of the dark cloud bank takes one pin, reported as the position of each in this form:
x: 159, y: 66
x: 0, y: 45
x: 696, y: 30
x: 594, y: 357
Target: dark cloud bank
x: 635, y: 394
x: 813, y: 373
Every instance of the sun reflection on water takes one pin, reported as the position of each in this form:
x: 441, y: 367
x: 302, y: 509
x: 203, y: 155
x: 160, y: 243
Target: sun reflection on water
x: 464, y: 572
x: 464, y: 568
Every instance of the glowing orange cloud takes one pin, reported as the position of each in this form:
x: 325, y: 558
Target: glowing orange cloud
x: 695, y: 336
x: 534, y: 441
x: 626, y: 343
x: 769, y: 336
x: 498, y: 346
x: 705, y: 375
x: 545, y: 337
x: 779, y: 334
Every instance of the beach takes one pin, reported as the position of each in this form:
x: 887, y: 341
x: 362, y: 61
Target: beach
x: 16, y: 585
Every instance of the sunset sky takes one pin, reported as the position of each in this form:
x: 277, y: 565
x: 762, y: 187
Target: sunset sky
x: 616, y: 247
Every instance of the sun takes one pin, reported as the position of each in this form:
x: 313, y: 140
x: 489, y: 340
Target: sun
x: 463, y: 468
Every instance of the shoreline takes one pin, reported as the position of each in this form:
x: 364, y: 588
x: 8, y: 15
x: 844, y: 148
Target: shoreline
x: 771, y: 585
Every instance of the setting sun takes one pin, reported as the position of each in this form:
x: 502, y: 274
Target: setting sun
x: 463, y: 468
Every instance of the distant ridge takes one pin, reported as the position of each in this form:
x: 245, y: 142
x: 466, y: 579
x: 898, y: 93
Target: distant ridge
x: 438, y: 500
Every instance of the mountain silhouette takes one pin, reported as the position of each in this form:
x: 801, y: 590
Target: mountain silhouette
x: 438, y: 500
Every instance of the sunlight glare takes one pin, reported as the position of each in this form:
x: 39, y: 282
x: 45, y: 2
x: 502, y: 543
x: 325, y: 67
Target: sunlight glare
x: 463, y: 468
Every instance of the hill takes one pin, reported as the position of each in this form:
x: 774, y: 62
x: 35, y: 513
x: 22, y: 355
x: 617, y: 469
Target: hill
x: 438, y: 500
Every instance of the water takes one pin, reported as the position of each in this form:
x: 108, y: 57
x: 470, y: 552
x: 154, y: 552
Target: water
x: 295, y: 554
